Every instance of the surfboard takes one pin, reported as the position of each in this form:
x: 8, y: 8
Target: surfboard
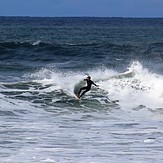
x: 76, y: 96
x: 77, y: 87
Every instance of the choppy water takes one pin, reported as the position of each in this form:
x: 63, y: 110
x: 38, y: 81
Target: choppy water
x: 41, y: 61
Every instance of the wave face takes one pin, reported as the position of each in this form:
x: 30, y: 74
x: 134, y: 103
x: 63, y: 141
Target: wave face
x: 42, y: 60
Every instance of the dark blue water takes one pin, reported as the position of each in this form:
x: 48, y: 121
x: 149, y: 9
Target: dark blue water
x: 42, y: 60
x: 96, y: 41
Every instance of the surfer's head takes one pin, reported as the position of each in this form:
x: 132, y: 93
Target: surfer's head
x: 88, y: 77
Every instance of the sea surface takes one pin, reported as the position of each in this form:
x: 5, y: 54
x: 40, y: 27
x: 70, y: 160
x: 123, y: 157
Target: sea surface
x: 42, y: 60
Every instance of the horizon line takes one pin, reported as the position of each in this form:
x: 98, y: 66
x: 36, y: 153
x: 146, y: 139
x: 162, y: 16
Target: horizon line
x: 84, y: 17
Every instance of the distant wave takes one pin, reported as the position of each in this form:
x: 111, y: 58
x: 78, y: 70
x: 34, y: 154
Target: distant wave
x: 38, y: 43
x: 15, y: 44
x: 53, y: 46
x: 93, y: 51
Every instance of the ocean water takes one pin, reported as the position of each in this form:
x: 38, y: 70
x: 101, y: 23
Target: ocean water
x: 41, y: 62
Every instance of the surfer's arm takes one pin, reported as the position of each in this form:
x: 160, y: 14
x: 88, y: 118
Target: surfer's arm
x: 85, y: 79
x: 94, y: 84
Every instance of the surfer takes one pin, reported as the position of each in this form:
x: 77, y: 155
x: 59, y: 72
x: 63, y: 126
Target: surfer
x: 87, y: 88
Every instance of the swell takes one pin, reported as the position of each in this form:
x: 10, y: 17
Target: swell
x: 28, y: 49
x: 35, y: 45
x: 57, y: 46
x: 78, y: 54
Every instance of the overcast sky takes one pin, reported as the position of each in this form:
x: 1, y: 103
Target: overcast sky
x: 95, y: 8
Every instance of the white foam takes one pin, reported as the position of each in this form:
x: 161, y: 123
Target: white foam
x: 37, y: 42
x: 133, y: 88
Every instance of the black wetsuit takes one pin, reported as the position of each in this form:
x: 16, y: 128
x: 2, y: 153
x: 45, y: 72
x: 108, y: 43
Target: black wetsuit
x: 87, y: 88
